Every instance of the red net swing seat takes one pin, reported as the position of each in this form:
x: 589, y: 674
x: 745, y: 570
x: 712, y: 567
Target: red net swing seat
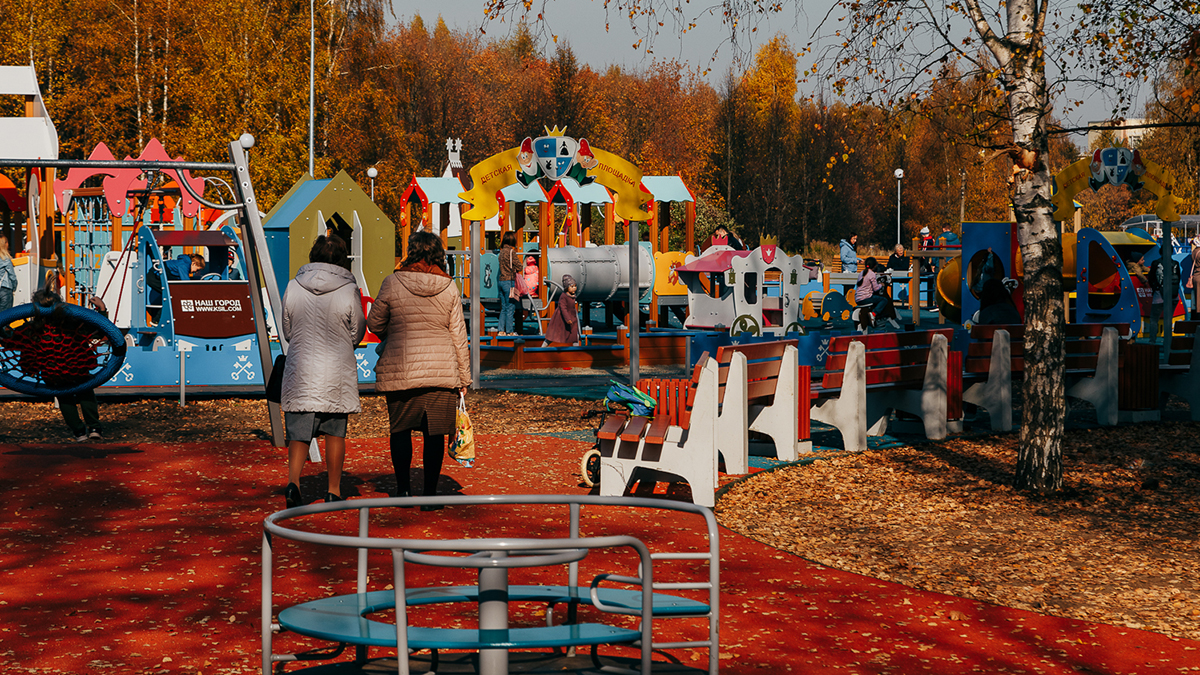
x: 57, y: 351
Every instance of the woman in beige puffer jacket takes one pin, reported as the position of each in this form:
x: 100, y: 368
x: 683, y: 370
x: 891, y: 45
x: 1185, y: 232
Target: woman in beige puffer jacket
x: 425, y: 362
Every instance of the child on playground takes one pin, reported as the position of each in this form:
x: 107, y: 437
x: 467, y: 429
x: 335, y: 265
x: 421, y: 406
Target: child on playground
x: 564, y: 325
x: 71, y: 406
x: 527, y: 285
x: 8, y: 275
x: 869, y: 293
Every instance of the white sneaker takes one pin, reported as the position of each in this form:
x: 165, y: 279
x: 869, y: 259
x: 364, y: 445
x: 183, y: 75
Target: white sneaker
x: 82, y: 438
x: 94, y: 435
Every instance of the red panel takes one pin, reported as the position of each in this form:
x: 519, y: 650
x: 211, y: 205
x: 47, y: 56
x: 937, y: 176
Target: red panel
x: 806, y: 399
x: 888, y: 340
x: 1015, y: 331
x: 954, y: 386
x: 883, y: 358
x: 211, y: 309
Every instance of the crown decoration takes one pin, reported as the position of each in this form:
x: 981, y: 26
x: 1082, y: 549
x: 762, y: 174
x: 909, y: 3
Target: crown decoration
x: 555, y: 131
x: 769, y: 241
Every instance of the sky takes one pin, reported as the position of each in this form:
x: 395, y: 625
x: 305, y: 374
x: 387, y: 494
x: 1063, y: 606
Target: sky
x: 581, y: 23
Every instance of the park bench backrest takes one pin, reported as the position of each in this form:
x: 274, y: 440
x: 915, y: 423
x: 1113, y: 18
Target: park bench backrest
x: 1183, y: 340
x: 1082, y: 345
x: 762, y: 368
x: 891, y: 358
x: 675, y: 396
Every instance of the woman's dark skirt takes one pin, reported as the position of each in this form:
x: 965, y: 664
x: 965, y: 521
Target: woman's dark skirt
x: 429, y: 410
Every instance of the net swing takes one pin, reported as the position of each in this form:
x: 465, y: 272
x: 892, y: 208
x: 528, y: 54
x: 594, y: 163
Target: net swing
x: 59, y: 350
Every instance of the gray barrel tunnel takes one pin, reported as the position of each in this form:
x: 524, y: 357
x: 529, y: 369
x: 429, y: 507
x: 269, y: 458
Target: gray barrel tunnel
x: 601, y: 272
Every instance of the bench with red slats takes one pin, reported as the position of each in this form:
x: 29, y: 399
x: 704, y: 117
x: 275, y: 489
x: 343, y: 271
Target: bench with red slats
x: 762, y: 368
x: 674, y: 405
x: 1183, y: 342
x: 1082, y: 347
x: 892, y: 360
x: 1176, y: 375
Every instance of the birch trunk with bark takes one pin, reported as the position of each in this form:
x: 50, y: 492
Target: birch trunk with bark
x: 1020, y: 57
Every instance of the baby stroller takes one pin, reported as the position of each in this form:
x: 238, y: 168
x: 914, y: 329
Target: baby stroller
x: 621, y: 398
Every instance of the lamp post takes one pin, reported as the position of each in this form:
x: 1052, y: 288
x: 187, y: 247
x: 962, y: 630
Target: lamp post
x: 899, y: 177
x: 372, y: 173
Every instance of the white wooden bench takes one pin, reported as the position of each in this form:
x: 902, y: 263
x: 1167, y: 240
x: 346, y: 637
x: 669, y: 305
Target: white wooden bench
x: 867, y: 377
x: 1092, y: 362
x: 759, y: 390
x: 679, y: 446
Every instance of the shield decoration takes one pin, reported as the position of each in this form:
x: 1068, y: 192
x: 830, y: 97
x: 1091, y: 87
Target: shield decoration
x: 555, y: 154
x: 1116, y: 163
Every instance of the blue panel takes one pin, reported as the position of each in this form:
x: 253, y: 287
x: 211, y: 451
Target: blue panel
x: 1126, y: 310
x: 978, y: 237
x: 489, y: 282
x: 442, y: 190
x: 291, y: 209
x: 524, y: 193
x: 592, y: 193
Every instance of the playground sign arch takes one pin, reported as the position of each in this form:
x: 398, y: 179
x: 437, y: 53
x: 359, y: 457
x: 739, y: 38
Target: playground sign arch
x: 556, y: 156
x: 1115, y: 166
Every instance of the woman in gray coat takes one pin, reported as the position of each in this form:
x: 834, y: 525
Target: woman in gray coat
x: 323, y: 322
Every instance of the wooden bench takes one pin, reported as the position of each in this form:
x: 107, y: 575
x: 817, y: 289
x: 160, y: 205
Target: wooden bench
x: 759, y: 385
x: 1180, y: 373
x: 679, y: 444
x: 997, y: 354
x: 868, y: 376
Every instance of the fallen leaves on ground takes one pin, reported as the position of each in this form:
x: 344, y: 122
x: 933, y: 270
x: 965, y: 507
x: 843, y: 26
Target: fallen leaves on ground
x: 1118, y: 545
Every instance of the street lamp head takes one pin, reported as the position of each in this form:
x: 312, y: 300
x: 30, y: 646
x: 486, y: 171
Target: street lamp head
x: 247, y: 141
x: 372, y: 173
x: 899, y: 174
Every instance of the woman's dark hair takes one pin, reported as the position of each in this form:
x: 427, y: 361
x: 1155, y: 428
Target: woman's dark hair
x: 870, y: 264
x: 426, y: 247
x: 509, y: 239
x: 330, y: 248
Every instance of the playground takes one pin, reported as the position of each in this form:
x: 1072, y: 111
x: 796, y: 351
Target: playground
x: 857, y: 459
x: 906, y: 558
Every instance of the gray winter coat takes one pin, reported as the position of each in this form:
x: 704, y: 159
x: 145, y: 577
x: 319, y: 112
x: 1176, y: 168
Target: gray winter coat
x: 849, y: 256
x: 323, y: 322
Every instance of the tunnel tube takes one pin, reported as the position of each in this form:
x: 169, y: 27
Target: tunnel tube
x: 602, y: 272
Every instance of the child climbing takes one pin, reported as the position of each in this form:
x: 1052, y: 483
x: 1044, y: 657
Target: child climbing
x: 527, y: 287
x: 564, y: 325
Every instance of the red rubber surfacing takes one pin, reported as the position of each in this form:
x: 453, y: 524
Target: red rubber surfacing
x: 145, y: 558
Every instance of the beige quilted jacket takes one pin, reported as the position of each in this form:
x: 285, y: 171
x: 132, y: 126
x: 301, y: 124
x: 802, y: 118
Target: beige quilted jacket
x: 419, y: 315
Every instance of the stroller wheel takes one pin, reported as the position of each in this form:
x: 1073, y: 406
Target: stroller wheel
x: 590, y: 467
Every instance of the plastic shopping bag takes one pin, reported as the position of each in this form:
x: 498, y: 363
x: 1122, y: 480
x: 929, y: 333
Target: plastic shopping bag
x: 462, y: 446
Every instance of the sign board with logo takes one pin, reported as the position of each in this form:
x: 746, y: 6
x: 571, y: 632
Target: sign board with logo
x: 211, y: 309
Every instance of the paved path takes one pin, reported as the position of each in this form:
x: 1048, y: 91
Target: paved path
x: 145, y: 559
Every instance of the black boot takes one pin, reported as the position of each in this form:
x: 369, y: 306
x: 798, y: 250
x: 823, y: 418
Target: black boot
x: 293, y: 496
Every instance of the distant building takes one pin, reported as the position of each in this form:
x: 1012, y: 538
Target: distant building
x: 1129, y: 138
